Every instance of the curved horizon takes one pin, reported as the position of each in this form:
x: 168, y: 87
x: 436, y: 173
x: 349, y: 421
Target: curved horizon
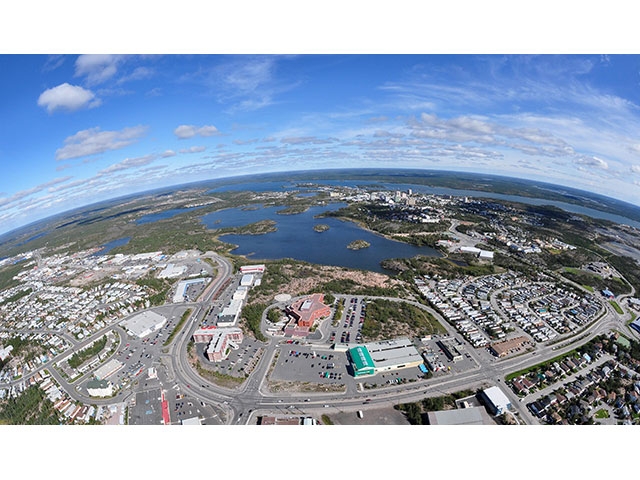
x: 81, y: 129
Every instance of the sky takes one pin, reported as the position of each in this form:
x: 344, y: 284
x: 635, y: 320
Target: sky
x: 153, y: 99
x: 82, y: 128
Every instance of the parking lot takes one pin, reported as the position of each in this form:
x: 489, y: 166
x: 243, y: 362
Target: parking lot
x: 239, y: 362
x: 304, y: 363
x: 146, y: 408
x: 182, y: 407
x: 347, y: 329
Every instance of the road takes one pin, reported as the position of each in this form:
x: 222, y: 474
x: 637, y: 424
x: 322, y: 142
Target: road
x: 239, y: 405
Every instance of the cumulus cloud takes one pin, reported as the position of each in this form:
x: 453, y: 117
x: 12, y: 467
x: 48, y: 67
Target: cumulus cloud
x: 93, y: 141
x: 67, y: 97
x: 190, y: 131
x: 635, y: 168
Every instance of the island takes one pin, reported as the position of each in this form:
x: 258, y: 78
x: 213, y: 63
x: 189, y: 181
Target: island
x: 321, y: 227
x: 358, y: 244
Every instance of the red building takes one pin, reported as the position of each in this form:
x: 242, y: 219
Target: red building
x: 307, y: 310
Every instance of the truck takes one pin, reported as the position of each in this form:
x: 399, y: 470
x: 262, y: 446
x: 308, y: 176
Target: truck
x: 360, y: 414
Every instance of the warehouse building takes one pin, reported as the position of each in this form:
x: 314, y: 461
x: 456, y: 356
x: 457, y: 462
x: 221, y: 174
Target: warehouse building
x: 384, y: 356
x: 228, y: 317
x: 361, y: 361
x: 460, y: 416
x: 252, y: 269
x: 496, y: 400
x: 143, y: 324
x: 181, y: 289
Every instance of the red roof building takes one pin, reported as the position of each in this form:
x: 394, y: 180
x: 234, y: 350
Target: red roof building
x: 307, y: 310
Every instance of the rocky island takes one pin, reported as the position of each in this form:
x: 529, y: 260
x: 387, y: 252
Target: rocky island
x: 321, y: 227
x: 358, y: 244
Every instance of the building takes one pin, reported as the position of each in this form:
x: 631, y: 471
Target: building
x: 143, y: 324
x: 181, y: 289
x: 223, y: 339
x: 496, y: 400
x: 108, y: 369
x: 252, y: 269
x: 100, y: 388
x: 501, y: 349
x: 191, y: 421
x: 461, y: 416
x: 247, y: 280
x: 450, y: 350
x: 5, y: 352
x: 635, y: 325
x: 384, y: 356
x: 307, y: 310
x: 204, y: 334
x: 171, y: 271
x: 228, y: 317
x: 361, y: 361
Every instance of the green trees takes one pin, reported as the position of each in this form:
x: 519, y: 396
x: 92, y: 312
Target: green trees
x: 32, y: 407
x: 78, y: 358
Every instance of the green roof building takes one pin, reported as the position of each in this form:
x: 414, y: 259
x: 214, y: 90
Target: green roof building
x: 361, y: 361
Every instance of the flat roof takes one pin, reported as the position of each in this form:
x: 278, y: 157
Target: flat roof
x: 497, y: 397
x: 461, y: 416
x: 108, y: 369
x: 141, y: 324
x: 387, y: 353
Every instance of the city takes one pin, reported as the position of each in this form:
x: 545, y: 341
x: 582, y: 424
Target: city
x: 153, y: 338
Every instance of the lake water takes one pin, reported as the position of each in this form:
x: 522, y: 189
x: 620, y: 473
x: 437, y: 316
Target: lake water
x: 296, y: 238
x: 154, y: 217
x: 107, y: 247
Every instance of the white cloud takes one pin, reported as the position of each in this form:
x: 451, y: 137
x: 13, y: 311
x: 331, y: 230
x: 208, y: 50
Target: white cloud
x: 97, y: 68
x: 168, y: 153
x: 190, y: 131
x: 128, y: 163
x: 635, y: 168
x: 67, y: 97
x: 592, y: 161
x: 197, y: 149
x: 93, y: 141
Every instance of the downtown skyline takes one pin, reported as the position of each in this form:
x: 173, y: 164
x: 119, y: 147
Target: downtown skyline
x: 85, y: 128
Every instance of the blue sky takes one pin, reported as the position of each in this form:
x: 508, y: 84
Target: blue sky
x: 82, y: 128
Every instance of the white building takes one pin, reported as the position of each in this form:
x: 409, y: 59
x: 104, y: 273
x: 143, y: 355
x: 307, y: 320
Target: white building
x: 143, y: 324
x: 497, y: 401
x: 172, y: 271
x: 108, y: 369
x: 100, y: 388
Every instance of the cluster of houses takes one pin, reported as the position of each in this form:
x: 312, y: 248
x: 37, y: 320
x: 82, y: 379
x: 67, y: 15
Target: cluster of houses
x: 545, y: 310
x: 50, y: 345
x: 581, y: 387
x: 70, y: 411
x: 466, y: 305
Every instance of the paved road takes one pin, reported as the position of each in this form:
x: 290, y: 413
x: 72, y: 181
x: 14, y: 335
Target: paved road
x: 240, y: 404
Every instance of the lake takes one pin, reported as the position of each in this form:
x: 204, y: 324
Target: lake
x: 295, y: 238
